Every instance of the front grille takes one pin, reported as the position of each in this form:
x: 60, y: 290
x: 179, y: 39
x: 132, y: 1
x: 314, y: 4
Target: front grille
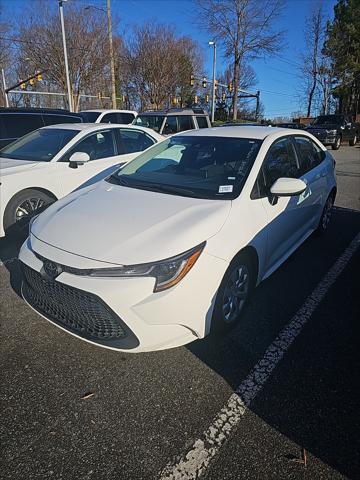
x: 80, y: 312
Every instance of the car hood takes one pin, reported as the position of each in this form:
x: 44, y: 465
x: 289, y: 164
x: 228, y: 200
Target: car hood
x: 10, y: 165
x: 122, y: 225
x: 323, y: 127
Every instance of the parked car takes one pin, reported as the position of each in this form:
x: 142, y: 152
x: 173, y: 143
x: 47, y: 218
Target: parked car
x: 174, y: 120
x: 296, y: 126
x: 49, y: 163
x: 334, y: 130
x: 171, y: 245
x: 17, y: 122
x: 124, y: 117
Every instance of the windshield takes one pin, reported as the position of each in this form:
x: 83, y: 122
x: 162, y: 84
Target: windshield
x: 150, y: 121
x: 89, y: 117
x: 193, y: 166
x: 41, y: 145
x: 328, y: 120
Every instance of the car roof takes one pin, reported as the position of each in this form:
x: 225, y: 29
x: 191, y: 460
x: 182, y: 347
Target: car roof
x: 93, y: 127
x: 198, y: 112
x: 256, y: 132
x: 58, y: 111
x: 107, y: 110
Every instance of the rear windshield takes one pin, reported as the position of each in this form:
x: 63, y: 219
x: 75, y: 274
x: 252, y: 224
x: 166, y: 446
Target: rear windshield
x: 40, y: 146
x: 150, y: 121
x: 89, y: 117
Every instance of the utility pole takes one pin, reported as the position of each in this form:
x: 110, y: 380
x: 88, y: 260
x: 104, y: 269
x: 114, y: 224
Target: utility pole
x: 112, y: 61
x: 213, y: 83
x: 5, y: 90
x: 257, y: 105
x: 65, y: 54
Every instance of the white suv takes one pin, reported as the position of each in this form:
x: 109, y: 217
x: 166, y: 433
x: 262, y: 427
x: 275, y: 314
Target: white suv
x: 101, y: 115
x: 172, y: 244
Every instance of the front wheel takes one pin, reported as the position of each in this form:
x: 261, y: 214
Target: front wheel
x: 233, y: 293
x: 353, y: 141
x: 326, y: 215
x: 337, y: 144
x: 22, y: 207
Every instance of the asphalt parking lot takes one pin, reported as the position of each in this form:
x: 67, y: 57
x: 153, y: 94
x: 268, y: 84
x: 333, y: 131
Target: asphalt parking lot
x: 71, y: 410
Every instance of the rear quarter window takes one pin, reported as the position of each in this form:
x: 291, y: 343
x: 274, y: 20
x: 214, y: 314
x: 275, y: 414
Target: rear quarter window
x: 202, y: 122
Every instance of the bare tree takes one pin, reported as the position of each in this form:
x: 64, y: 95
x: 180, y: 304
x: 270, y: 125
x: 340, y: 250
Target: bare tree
x: 312, y: 59
x: 160, y: 64
x: 87, y: 44
x: 244, y: 28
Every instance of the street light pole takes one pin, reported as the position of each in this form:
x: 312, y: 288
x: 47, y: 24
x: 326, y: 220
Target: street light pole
x: 213, y: 83
x: 112, y: 61
x: 65, y: 54
x: 5, y: 91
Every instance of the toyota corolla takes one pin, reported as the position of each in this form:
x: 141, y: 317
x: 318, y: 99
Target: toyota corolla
x: 170, y: 246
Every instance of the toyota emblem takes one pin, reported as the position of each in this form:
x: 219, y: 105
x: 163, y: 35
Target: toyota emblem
x: 51, y: 269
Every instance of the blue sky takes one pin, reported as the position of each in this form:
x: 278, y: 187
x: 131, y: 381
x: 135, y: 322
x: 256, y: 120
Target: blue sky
x: 279, y: 80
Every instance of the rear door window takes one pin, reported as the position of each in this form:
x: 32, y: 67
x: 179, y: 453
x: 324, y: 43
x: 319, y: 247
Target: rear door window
x: 19, y: 124
x: 170, y: 126
x: 131, y: 141
x: 202, y: 122
x: 125, y: 118
x: 109, y: 118
x: 185, y: 123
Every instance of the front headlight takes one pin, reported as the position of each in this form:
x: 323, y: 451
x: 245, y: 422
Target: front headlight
x: 167, y: 273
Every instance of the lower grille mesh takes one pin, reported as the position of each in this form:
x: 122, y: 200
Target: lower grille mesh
x: 78, y: 311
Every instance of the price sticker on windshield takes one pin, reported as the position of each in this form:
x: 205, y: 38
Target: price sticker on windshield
x: 225, y: 188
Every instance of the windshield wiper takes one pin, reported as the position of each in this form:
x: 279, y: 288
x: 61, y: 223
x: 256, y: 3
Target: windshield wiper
x: 157, y: 187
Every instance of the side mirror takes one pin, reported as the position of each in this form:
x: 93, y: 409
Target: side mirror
x: 78, y: 158
x: 287, y: 187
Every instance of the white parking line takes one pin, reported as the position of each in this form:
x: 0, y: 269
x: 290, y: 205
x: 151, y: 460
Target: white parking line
x: 193, y: 463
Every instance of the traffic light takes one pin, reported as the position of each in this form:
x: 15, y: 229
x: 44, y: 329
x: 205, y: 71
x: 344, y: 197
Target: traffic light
x: 223, y: 96
x: 192, y: 80
x: 32, y: 81
x: 230, y: 87
x: 174, y: 101
x: 23, y: 86
x: 196, y: 100
x: 39, y: 77
x: 216, y: 85
x: 207, y: 98
x: 204, y: 82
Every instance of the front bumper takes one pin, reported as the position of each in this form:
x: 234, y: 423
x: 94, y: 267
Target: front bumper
x: 123, y: 313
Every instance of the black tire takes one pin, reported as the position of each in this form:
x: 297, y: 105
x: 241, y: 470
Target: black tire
x: 353, y: 141
x: 326, y: 215
x: 220, y: 321
x: 337, y: 143
x: 31, y: 200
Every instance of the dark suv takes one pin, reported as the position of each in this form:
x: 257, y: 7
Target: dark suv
x: 334, y: 130
x: 173, y: 120
x: 16, y: 122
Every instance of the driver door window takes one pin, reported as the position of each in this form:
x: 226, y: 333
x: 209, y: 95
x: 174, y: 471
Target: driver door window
x: 280, y: 162
x: 97, y: 145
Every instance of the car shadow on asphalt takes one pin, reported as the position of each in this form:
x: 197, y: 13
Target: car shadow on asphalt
x: 310, y: 398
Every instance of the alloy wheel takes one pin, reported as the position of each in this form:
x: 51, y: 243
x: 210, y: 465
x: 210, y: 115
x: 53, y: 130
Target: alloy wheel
x: 235, y: 293
x: 327, y: 213
x: 28, y: 207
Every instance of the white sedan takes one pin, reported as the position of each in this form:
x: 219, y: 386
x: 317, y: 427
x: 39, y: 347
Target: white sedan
x: 51, y: 162
x: 171, y: 245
